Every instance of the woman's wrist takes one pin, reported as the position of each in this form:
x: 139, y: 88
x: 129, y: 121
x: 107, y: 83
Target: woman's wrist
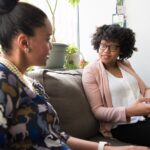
x: 107, y: 147
x: 127, y: 114
x: 101, y: 145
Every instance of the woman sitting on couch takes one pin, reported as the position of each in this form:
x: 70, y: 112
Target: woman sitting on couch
x: 117, y: 95
x: 27, y: 120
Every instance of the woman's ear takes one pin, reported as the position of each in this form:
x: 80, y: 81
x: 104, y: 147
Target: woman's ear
x: 22, y: 41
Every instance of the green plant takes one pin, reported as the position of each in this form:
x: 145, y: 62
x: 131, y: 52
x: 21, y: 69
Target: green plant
x: 74, y: 2
x: 53, y: 10
x: 120, y: 2
x: 71, y: 49
x: 69, y: 57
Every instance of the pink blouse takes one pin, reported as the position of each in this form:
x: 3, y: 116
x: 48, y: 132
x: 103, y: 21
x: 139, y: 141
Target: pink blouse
x: 96, y: 86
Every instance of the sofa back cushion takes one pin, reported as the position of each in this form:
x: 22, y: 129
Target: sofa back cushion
x: 68, y: 98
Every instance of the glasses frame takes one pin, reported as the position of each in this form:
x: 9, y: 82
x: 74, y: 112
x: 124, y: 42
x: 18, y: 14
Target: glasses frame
x: 110, y: 47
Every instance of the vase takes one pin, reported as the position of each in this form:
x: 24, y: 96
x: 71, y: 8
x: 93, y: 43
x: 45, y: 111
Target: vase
x: 56, y: 56
x: 75, y: 58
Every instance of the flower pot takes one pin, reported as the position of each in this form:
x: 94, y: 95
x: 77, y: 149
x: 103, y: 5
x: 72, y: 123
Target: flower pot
x: 75, y: 58
x: 72, y: 61
x: 57, y: 55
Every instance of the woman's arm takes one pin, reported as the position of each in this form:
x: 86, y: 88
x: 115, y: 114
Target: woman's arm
x: 147, y: 93
x: 79, y: 144
x: 3, y: 118
x: 93, y: 92
x: 140, y: 107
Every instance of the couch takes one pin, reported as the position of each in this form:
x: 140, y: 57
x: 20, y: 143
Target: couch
x: 67, y: 96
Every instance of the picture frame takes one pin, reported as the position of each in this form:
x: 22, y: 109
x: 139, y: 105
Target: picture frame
x: 119, y: 19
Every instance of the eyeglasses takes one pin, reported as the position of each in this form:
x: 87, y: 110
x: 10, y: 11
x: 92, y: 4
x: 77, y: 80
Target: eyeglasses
x: 112, y: 47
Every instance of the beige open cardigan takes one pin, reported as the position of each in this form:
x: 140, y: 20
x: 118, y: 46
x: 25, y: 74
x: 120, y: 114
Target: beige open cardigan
x: 96, y: 87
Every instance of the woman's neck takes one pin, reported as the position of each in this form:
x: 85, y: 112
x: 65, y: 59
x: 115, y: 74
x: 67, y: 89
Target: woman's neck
x: 15, y: 61
x: 13, y: 68
x: 114, y: 69
x: 113, y: 65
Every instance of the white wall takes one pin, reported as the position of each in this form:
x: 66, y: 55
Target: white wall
x: 138, y: 14
x: 93, y: 13
x: 98, y: 12
x: 65, y: 19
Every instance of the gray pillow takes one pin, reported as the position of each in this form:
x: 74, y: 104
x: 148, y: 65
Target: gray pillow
x: 68, y: 98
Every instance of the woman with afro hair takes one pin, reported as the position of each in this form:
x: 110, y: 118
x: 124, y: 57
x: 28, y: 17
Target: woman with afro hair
x: 118, y: 97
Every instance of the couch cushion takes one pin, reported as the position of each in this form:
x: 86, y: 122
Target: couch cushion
x: 68, y: 98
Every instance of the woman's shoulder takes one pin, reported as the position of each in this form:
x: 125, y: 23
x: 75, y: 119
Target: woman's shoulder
x: 3, y: 68
x: 4, y: 72
x: 91, y: 69
x: 127, y: 66
x: 125, y: 63
x: 92, y: 65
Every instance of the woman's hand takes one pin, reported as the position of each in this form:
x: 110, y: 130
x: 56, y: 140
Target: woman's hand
x: 140, y: 108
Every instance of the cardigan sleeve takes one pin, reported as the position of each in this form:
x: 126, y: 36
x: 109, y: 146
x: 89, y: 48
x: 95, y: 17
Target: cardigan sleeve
x: 145, y: 90
x: 99, y: 106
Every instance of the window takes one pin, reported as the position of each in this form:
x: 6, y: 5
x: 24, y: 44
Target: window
x: 65, y: 19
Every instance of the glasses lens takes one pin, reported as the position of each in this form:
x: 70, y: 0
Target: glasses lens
x: 103, y: 46
x: 111, y: 47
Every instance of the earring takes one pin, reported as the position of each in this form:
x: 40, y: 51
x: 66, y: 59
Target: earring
x: 27, y: 50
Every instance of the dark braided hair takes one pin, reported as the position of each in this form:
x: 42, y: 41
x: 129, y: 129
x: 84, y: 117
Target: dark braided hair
x: 7, y: 5
x: 16, y: 17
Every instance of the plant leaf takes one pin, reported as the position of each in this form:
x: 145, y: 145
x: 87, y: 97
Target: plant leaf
x: 74, y: 2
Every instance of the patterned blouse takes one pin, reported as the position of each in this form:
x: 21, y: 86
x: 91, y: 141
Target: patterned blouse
x: 27, y: 120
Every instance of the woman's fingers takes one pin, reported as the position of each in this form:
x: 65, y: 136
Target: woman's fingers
x: 147, y: 100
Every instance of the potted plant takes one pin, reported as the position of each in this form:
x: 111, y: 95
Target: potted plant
x: 72, y: 57
x: 56, y: 59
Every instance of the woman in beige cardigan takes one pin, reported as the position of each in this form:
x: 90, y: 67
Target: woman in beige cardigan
x: 116, y: 94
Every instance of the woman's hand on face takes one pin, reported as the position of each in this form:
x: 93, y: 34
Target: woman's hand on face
x: 140, y: 108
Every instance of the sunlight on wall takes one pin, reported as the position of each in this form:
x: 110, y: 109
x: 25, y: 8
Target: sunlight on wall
x: 138, y: 21
x: 66, y: 19
x: 92, y: 13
